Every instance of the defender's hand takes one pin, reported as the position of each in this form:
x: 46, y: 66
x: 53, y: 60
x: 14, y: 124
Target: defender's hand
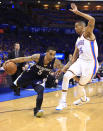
x: 74, y: 8
x: 58, y: 72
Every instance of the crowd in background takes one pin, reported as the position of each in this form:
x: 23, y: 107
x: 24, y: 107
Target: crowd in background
x: 38, y: 43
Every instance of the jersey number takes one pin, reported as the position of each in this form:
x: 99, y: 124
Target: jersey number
x: 40, y: 72
x: 80, y: 50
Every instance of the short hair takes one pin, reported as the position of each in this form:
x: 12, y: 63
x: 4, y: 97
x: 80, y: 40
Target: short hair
x: 51, y: 48
x: 16, y: 43
x: 81, y: 23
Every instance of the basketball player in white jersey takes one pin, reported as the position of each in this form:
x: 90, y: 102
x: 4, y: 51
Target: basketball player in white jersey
x: 84, y: 61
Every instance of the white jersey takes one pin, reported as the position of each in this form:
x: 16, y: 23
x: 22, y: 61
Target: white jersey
x: 88, y: 50
x: 86, y: 65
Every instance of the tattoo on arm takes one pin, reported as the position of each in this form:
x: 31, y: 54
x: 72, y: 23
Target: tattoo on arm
x: 26, y: 59
x: 35, y: 57
x: 22, y: 59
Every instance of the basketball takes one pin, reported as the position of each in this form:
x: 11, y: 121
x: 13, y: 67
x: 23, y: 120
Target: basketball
x: 10, y: 68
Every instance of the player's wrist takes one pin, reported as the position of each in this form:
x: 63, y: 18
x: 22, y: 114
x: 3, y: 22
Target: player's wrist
x: 77, y: 12
x: 14, y: 61
x: 63, y: 70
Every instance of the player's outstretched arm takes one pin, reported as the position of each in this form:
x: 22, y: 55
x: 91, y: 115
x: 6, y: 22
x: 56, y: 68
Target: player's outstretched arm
x: 91, y: 20
x: 75, y: 56
x: 34, y: 57
x: 64, y: 68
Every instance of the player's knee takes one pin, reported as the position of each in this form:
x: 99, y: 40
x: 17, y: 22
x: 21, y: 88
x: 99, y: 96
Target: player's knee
x: 83, y: 81
x: 82, y: 84
x: 67, y: 76
x: 40, y: 89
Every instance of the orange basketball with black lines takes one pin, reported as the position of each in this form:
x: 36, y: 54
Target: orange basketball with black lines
x: 10, y: 68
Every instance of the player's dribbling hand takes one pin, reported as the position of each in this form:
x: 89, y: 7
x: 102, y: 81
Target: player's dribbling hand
x: 8, y: 61
x: 74, y: 8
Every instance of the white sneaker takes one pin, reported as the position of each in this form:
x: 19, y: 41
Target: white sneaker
x: 61, y: 106
x: 80, y: 101
x: 40, y: 113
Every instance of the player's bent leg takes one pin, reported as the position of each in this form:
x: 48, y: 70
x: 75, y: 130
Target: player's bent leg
x: 62, y: 103
x: 24, y: 79
x: 15, y: 87
x: 81, y: 92
x: 80, y: 101
x: 37, y: 110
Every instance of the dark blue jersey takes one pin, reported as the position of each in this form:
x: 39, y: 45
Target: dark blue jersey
x: 40, y: 70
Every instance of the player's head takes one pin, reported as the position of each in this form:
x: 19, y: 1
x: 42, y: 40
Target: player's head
x: 80, y: 27
x: 50, y: 53
x: 17, y: 46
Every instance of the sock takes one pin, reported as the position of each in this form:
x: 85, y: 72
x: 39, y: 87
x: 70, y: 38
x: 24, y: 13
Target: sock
x: 63, y: 97
x: 84, y: 96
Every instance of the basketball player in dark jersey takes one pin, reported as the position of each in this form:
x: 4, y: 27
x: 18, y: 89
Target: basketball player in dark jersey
x: 38, y: 72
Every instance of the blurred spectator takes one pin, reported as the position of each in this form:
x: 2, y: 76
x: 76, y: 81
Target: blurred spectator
x: 0, y: 63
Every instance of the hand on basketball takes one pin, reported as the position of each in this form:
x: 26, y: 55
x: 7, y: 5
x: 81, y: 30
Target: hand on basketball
x: 74, y: 8
x: 7, y: 61
x: 10, y: 67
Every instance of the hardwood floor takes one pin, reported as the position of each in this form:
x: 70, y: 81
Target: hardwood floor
x: 17, y: 115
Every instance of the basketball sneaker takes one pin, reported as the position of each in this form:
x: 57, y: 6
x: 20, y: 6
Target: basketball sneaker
x: 80, y: 101
x: 61, y: 106
x: 38, y: 113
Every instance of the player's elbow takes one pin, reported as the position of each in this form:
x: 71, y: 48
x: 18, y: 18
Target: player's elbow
x: 92, y: 20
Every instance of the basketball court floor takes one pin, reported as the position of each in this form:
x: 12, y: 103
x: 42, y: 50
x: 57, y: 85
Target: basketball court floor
x: 17, y: 115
